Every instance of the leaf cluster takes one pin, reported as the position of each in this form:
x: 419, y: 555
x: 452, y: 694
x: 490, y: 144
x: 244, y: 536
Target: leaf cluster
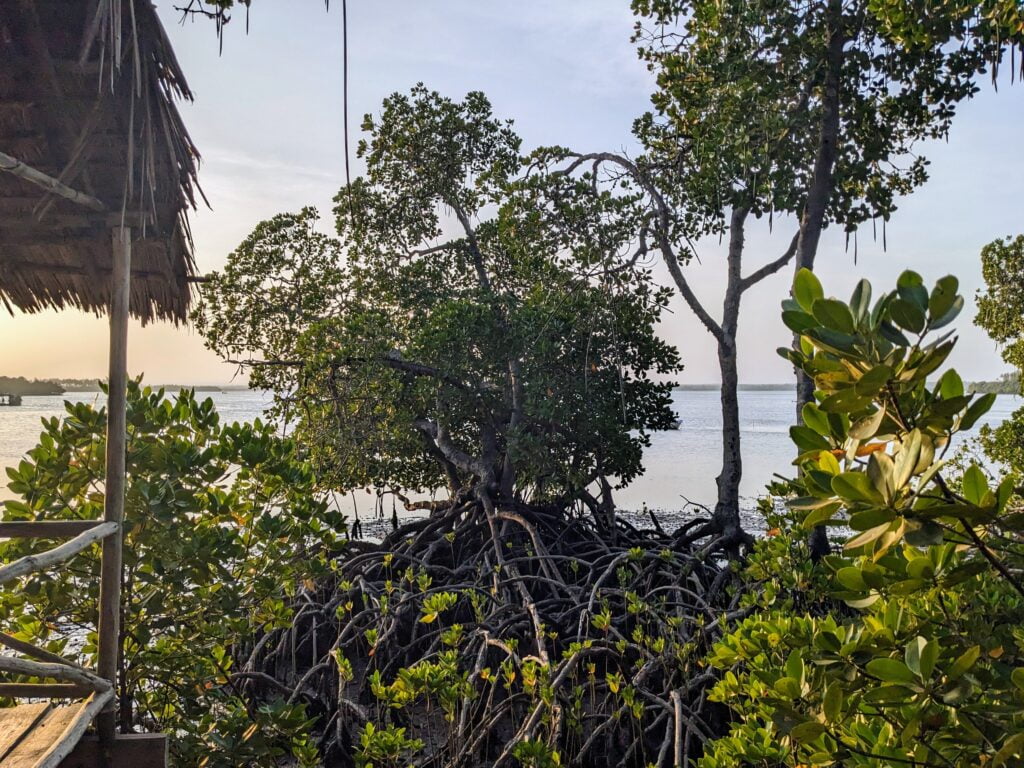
x: 911, y: 651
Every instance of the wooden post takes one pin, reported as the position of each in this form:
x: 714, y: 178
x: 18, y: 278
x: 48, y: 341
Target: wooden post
x: 113, y: 509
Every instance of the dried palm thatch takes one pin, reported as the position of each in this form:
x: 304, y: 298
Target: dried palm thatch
x: 87, y: 97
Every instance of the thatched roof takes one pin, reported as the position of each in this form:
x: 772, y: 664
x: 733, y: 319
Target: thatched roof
x: 87, y: 96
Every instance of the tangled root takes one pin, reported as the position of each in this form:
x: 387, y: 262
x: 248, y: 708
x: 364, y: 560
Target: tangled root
x: 500, y: 635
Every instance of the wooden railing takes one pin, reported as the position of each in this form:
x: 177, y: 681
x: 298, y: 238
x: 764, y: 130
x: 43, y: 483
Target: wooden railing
x: 75, y: 681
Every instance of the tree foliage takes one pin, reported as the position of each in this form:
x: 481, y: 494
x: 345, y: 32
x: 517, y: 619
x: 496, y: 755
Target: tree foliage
x: 464, y: 330
x: 1001, y: 304
x: 907, y: 648
x: 743, y: 95
x: 222, y: 527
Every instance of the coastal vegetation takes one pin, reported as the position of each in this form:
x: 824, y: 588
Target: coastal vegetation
x: 19, y: 385
x: 475, y: 345
x: 223, y: 527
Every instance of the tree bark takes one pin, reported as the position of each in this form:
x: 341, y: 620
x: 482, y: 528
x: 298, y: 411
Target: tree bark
x: 823, y: 179
x: 727, y: 508
x: 819, y: 194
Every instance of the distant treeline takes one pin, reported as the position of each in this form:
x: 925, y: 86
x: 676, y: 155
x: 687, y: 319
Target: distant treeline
x: 19, y: 385
x: 10, y: 385
x: 748, y: 387
x: 1007, y: 384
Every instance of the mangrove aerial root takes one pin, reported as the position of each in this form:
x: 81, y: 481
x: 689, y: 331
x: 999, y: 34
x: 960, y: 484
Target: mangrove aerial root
x: 494, y: 634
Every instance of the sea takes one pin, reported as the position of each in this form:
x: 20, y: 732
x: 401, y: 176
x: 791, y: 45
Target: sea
x: 680, y: 465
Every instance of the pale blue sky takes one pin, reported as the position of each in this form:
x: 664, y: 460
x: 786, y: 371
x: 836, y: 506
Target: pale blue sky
x: 268, y: 121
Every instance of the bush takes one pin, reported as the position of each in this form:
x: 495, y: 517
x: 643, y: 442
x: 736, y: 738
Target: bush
x: 908, y: 648
x: 221, y: 528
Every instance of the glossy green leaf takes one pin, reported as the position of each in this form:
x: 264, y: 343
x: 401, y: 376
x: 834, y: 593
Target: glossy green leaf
x: 807, y: 289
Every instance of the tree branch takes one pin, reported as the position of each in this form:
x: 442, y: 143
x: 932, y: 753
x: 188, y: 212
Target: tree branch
x: 661, y: 232
x: 771, y: 267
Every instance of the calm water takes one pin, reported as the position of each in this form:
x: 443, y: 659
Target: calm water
x: 680, y: 465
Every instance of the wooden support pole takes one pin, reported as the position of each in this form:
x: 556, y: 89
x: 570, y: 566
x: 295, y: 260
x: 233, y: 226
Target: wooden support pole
x: 113, y: 508
x: 47, y: 182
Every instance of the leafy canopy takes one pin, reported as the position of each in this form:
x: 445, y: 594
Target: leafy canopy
x: 742, y: 100
x: 464, y: 327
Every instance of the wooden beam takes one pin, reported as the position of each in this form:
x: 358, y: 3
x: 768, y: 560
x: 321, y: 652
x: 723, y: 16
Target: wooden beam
x: 45, y: 529
x: 47, y: 182
x: 37, y: 653
x: 114, y: 485
x: 51, y: 671
x: 43, y: 560
x: 30, y: 650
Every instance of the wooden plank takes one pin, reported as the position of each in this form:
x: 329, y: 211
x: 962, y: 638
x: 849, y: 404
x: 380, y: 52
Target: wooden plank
x: 45, y: 529
x: 51, y: 557
x: 16, y: 722
x: 108, y: 629
x: 45, y: 690
x: 134, y: 750
x: 53, y: 739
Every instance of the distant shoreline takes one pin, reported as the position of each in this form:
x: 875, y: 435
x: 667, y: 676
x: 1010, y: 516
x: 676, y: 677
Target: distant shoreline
x: 742, y: 387
x: 19, y: 385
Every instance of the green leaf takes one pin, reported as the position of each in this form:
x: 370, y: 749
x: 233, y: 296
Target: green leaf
x: 807, y: 288
x: 1012, y: 747
x: 975, y: 485
x: 820, y: 516
x: 867, y: 536
x: 1017, y: 676
x: 951, y: 385
x: 868, y: 427
x: 950, y: 316
x: 832, y: 702
x: 860, y: 301
x: 918, y: 658
x: 907, y: 315
x: 869, y: 518
x: 976, y: 410
x: 873, y: 380
x: 807, y: 731
x: 943, y: 296
x: 964, y: 662
x: 890, y: 670
x: 806, y: 439
x: 833, y: 314
x: 856, y: 486
x: 845, y: 401
x: 816, y: 419
x: 852, y: 579
x: 798, y: 322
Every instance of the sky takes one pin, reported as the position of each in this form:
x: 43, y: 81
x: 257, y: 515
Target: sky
x: 268, y: 122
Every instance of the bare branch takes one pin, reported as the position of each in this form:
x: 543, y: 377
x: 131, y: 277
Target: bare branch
x: 771, y: 267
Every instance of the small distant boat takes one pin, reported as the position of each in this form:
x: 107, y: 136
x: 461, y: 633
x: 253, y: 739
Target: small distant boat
x: 9, y: 399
